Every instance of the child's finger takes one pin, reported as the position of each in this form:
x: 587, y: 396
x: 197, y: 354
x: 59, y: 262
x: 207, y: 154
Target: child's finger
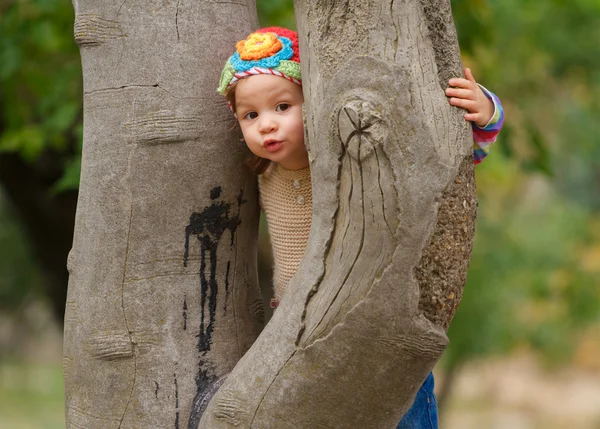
x: 459, y: 82
x: 473, y: 117
x: 469, y: 76
x: 465, y: 104
x: 460, y: 93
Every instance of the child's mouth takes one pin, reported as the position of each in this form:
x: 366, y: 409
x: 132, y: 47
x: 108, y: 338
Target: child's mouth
x: 272, y: 146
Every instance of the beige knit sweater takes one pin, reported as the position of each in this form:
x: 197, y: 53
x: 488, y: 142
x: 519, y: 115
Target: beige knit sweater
x: 286, y: 198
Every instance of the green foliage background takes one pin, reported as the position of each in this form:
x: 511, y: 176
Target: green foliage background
x: 535, y: 271
x: 40, y: 83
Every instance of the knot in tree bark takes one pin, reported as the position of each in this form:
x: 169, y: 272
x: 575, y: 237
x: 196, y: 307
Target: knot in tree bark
x: 361, y: 128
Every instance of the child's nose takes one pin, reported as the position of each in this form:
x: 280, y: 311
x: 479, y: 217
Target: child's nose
x: 267, y: 124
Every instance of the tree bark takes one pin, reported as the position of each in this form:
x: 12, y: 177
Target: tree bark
x: 163, y: 297
x: 364, y: 319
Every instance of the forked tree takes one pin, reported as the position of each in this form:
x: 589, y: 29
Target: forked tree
x: 163, y: 299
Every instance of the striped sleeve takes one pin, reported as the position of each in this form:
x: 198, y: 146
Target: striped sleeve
x: 484, y: 137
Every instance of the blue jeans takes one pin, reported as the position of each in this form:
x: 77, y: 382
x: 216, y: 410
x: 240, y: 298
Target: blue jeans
x: 424, y: 413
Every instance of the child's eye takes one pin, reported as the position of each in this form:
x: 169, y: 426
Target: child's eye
x: 282, y: 107
x: 251, y: 115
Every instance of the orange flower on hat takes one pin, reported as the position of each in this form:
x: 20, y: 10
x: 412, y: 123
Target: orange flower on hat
x: 258, y: 46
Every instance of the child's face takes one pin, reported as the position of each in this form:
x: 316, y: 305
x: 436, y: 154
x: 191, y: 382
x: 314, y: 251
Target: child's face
x: 269, y: 110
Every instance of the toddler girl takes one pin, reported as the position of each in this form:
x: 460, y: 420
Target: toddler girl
x: 262, y: 83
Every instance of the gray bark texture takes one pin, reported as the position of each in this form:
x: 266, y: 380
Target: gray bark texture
x: 149, y: 339
x: 163, y: 297
x: 364, y: 319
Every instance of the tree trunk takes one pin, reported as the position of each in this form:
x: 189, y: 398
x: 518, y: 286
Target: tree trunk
x: 364, y: 319
x: 163, y: 297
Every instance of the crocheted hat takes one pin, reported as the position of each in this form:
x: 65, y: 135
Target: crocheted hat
x: 272, y: 50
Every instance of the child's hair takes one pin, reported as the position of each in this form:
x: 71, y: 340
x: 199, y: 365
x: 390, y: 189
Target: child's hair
x: 272, y: 50
x: 255, y: 163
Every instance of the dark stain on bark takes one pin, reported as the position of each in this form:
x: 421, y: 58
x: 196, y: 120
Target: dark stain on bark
x: 176, y: 401
x: 185, y: 308
x: 209, y: 226
x: 227, y: 284
x: 204, y: 381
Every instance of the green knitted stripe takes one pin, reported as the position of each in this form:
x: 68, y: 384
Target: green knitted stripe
x: 226, y: 76
x: 290, y: 68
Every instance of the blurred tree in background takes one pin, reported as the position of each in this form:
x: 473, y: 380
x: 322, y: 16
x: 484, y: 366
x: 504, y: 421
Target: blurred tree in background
x: 535, y: 270
x: 40, y: 143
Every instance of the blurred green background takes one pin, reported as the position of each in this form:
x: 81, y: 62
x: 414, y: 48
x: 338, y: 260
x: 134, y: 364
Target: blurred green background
x: 530, y: 316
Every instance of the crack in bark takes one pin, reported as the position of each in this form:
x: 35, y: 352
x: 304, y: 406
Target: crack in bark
x: 395, y: 28
x: 351, y: 187
x: 176, y: 19
x: 347, y: 226
x: 126, y: 320
x: 121, y: 87
x: 382, y: 194
x: 347, y: 223
x: 268, y: 388
x: 362, y: 242
x: 122, y: 38
x: 362, y: 237
x: 120, y: 7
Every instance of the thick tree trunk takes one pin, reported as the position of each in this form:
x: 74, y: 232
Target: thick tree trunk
x: 364, y: 319
x: 163, y: 297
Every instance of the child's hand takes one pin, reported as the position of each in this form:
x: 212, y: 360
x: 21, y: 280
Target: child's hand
x: 468, y: 95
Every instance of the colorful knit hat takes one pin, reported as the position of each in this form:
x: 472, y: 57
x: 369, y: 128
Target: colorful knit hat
x: 271, y: 50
